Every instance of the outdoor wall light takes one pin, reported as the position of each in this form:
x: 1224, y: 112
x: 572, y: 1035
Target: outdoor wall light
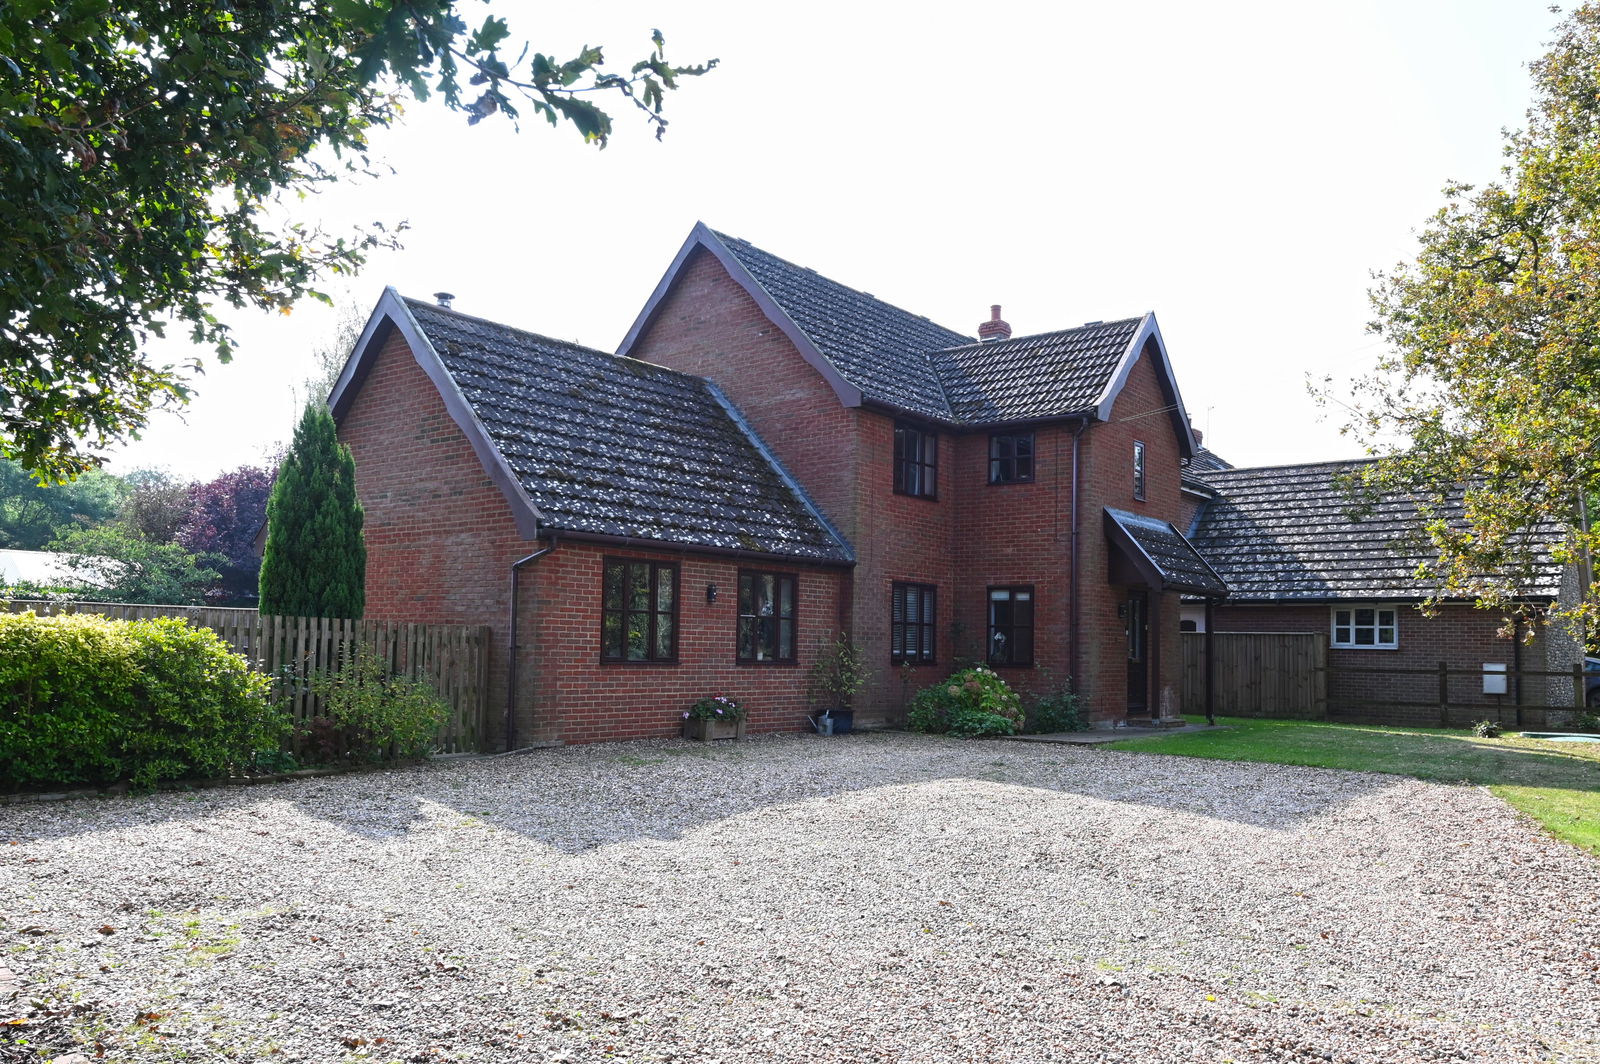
x: 711, y: 592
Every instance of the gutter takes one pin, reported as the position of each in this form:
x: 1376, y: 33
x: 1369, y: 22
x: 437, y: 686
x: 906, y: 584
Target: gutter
x: 511, y: 667
x: 1076, y: 605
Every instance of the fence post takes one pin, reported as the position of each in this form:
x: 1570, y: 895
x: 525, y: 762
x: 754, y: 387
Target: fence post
x: 1577, y: 687
x: 1444, y: 694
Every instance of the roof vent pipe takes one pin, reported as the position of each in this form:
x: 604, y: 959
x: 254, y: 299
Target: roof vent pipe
x: 444, y: 299
x: 994, y: 328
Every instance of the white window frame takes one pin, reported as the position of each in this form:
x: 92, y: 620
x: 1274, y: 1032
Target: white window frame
x: 1346, y: 630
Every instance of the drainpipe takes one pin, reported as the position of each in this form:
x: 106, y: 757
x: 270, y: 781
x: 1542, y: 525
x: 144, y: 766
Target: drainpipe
x: 511, y: 668
x: 1077, y: 480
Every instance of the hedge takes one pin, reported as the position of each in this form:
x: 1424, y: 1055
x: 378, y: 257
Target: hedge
x: 89, y: 700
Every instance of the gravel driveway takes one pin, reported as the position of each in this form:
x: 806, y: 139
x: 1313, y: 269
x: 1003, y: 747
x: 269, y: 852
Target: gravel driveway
x: 870, y: 898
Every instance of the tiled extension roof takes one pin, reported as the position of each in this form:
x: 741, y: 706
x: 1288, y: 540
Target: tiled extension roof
x: 879, y: 348
x: 1046, y: 375
x: 611, y: 446
x: 1284, y: 533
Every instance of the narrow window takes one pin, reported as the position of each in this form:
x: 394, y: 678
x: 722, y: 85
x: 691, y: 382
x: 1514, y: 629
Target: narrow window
x: 1010, y: 458
x: 766, y: 618
x: 1366, y: 627
x: 639, y: 611
x: 1011, y: 626
x: 916, y: 461
x: 911, y: 624
x: 1138, y: 470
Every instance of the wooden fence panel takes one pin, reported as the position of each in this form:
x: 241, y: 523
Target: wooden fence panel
x: 452, y: 657
x: 1258, y: 674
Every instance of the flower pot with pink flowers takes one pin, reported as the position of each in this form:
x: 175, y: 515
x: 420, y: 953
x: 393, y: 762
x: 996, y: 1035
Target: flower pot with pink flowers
x: 716, y: 717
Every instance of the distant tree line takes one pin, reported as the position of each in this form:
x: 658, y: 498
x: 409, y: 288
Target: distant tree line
x: 147, y: 536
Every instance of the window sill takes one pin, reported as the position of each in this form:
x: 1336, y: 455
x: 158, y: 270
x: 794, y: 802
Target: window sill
x: 632, y: 663
x: 763, y: 663
x: 1363, y: 646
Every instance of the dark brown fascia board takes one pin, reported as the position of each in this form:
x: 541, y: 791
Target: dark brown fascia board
x: 1246, y: 599
x: 702, y: 237
x: 392, y: 313
x: 661, y: 546
x: 1148, y: 332
x: 973, y: 428
x: 1151, y: 570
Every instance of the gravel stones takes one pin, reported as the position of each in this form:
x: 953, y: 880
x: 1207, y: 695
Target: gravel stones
x: 882, y: 897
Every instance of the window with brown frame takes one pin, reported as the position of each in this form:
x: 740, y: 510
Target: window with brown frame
x: 766, y: 618
x: 639, y: 611
x: 916, y: 461
x: 1010, y: 458
x: 1138, y: 470
x: 1011, y: 625
x: 912, y: 618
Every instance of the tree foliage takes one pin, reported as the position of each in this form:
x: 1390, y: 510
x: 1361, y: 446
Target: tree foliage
x: 223, y: 517
x: 315, y: 560
x: 1492, y: 383
x: 33, y: 514
x: 142, y: 143
x: 115, y: 563
x: 155, y: 504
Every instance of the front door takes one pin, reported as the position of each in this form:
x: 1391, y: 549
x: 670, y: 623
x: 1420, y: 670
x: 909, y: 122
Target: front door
x: 1137, y: 612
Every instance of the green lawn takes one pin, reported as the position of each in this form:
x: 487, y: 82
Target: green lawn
x: 1556, y: 783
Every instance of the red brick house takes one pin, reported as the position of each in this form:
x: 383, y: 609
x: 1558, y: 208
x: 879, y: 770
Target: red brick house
x: 772, y: 458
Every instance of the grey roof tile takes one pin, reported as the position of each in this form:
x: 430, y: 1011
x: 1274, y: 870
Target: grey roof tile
x: 1047, y: 375
x: 1286, y: 533
x: 612, y: 446
x: 879, y: 348
x: 1180, y: 566
x: 907, y: 362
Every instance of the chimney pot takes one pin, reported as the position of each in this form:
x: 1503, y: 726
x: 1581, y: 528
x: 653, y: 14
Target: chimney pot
x: 444, y: 299
x: 995, y: 328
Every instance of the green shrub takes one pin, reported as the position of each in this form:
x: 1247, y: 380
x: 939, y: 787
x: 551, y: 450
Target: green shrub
x: 971, y: 703
x: 1486, y: 729
x: 1061, y: 710
x: 85, y: 699
x: 373, y: 715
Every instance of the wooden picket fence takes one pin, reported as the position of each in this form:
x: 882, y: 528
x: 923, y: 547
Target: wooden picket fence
x: 453, y: 658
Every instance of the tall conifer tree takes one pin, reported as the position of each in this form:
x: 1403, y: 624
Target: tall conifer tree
x: 315, y: 562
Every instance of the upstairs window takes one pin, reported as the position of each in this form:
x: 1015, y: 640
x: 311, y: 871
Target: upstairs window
x: 916, y: 461
x: 1366, y: 627
x: 1011, y: 625
x: 766, y: 618
x: 911, y: 624
x: 1010, y: 458
x: 639, y: 611
x: 1138, y: 470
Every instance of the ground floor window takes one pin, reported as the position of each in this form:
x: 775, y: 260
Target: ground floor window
x: 766, y: 617
x: 639, y: 611
x: 1366, y: 627
x: 911, y: 625
x: 1011, y: 625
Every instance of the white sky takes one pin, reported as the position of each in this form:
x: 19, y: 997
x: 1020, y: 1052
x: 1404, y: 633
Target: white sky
x: 1238, y: 167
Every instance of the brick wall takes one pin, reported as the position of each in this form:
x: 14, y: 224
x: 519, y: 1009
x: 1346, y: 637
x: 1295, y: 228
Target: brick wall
x: 1138, y: 414
x: 1460, y: 635
x: 577, y: 698
x: 440, y: 543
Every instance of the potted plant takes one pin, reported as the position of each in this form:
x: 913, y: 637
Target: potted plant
x: 836, y: 675
x: 714, y: 718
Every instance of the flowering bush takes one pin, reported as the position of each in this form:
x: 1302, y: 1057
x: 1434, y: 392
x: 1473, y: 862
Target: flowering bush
x: 715, y: 708
x: 971, y: 703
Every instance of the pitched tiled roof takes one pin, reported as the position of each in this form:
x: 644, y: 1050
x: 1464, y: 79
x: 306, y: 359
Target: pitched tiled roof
x: 1205, y: 460
x: 1285, y: 533
x: 1033, y: 376
x: 1164, y: 552
x: 612, y: 446
x: 879, y: 348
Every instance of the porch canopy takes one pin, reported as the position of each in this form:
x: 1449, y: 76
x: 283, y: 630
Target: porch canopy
x: 1152, y: 552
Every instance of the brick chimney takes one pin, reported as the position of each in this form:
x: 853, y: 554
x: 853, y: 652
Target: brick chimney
x: 994, y: 328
